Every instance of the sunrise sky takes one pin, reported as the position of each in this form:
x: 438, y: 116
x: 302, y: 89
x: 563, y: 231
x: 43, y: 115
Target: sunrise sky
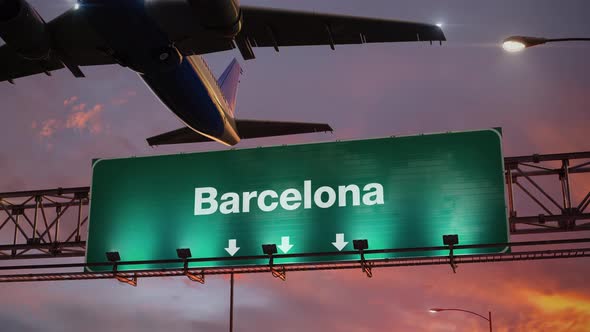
x: 52, y: 127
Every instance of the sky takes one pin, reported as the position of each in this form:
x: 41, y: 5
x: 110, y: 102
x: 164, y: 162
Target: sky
x: 52, y: 127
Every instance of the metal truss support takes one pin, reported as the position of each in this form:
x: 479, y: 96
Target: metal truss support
x: 53, y: 223
x: 529, y: 176
x: 34, y: 221
x: 277, y: 273
x: 379, y: 263
x: 366, y: 266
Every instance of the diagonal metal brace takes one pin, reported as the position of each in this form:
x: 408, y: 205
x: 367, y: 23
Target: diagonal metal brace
x: 281, y: 274
x: 200, y: 278
x: 366, y: 266
x: 125, y: 280
x: 454, y: 266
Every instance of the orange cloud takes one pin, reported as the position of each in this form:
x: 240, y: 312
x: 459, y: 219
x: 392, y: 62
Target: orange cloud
x: 507, y: 290
x: 81, y: 119
x: 87, y: 119
x: 123, y: 99
x: 49, y: 127
x: 70, y: 100
x: 79, y: 107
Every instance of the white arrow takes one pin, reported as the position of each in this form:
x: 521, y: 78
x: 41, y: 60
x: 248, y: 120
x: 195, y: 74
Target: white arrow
x: 285, y: 246
x: 339, y: 244
x: 231, y: 247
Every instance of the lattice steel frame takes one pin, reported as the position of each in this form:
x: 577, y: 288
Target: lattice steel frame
x: 361, y: 264
x: 553, y: 216
x: 36, y: 230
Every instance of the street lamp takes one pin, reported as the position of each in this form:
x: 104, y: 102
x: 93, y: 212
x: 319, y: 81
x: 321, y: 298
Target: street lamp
x: 489, y: 318
x: 518, y: 43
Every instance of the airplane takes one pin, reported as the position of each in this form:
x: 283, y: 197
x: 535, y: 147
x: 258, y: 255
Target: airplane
x: 163, y: 40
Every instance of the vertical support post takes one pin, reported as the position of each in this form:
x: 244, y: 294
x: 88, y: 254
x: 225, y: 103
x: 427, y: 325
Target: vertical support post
x: 15, y: 235
x: 566, y: 192
x: 37, y: 200
x: 563, y: 189
x: 79, y: 219
x: 490, y: 320
x: 231, y: 302
x: 512, y: 212
x: 57, y: 213
x: 566, y: 180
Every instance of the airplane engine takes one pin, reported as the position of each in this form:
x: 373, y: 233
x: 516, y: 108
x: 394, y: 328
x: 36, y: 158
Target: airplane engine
x: 222, y: 16
x: 23, y: 29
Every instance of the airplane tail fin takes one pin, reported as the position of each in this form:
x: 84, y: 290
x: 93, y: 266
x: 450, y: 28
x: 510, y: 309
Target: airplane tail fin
x: 246, y: 129
x: 228, y: 82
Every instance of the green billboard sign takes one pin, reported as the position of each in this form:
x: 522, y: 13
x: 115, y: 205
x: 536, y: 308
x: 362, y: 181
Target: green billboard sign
x: 398, y: 192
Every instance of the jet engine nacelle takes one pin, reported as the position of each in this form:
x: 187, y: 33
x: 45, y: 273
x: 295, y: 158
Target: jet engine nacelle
x: 222, y: 16
x: 23, y: 29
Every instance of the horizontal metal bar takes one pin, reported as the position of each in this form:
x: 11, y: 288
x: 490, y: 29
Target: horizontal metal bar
x: 56, y: 191
x: 549, y: 218
x: 548, y: 230
x: 53, y: 245
x: 43, y: 255
x: 279, y: 256
x: 467, y: 259
x: 546, y: 157
x: 552, y: 172
x: 85, y: 202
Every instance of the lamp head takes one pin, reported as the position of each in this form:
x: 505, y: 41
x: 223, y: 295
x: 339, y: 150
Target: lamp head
x: 518, y: 43
x: 113, y: 256
x: 183, y: 253
x: 362, y: 244
x: 434, y: 310
x: 269, y: 249
x: 451, y: 239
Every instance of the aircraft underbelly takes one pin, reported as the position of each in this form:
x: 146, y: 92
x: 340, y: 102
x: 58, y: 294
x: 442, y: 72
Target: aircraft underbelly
x: 175, y: 80
x: 186, y: 95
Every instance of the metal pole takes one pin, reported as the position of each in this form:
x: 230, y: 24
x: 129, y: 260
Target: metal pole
x: 490, y: 320
x: 79, y: 220
x: 231, y: 303
x: 37, y: 200
x: 566, y: 175
x: 15, y: 235
x: 510, y: 189
x: 57, y: 212
x: 566, y: 39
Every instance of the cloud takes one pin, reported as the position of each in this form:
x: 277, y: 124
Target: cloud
x: 48, y: 128
x: 11, y: 323
x: 81, y: 119
x: 87, y: 119
x: 124, y: 98
x: 79, y: 107
x: 548, y: 138
x: 70, y: 100
x: 400, y: 297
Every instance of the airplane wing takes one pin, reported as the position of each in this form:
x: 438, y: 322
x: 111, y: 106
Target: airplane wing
x: 75, y: 44
x: 246, y: 129
x: 13, y: 66
x: 264, y: 27
x: 79, y: 45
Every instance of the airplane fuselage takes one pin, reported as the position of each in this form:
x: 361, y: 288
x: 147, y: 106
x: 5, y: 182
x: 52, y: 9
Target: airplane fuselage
x: 184, y: 84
